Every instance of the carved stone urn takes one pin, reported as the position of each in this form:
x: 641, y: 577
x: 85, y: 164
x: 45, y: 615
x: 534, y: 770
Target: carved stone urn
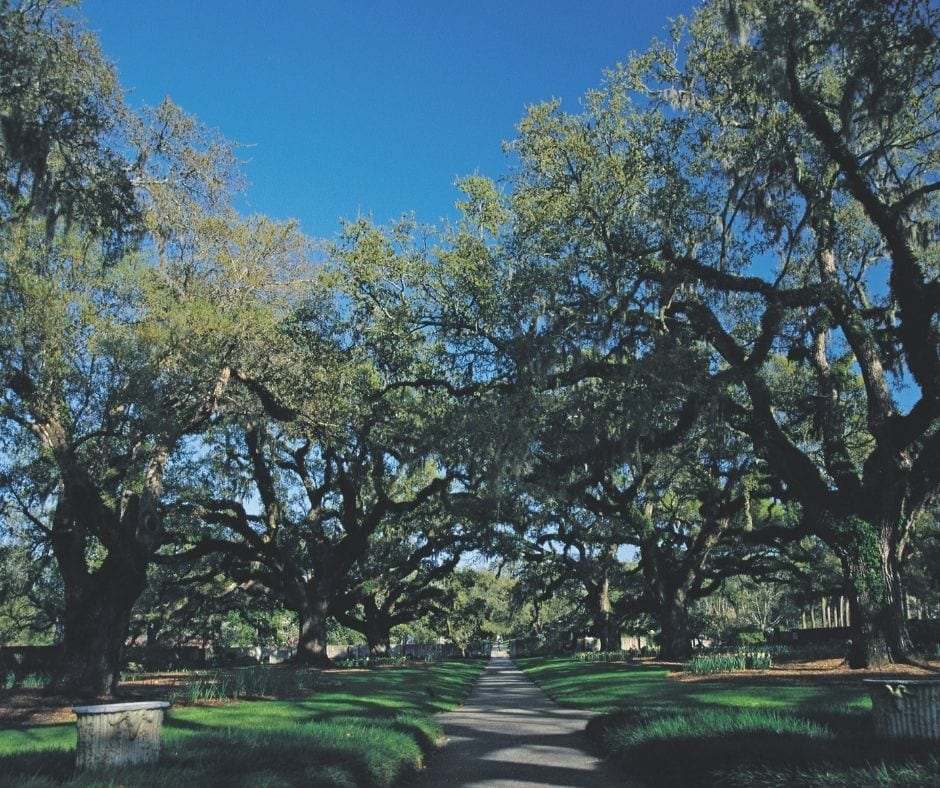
x: 906, y: 708
x: 118, y: 734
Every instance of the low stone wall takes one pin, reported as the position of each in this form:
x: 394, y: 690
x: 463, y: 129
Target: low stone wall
x: 412, y: 650
x: 165, y: 657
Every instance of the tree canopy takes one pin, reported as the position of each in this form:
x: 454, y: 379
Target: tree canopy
x: 693, y: 335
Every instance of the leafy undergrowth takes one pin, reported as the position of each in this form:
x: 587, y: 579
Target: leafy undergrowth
x: 358, y: 729
x: 745, y: 733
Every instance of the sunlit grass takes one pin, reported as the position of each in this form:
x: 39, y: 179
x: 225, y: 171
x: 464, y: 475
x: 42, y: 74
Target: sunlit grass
x: 370, y: 730
x: 741, y: 732
x: 597, y: 685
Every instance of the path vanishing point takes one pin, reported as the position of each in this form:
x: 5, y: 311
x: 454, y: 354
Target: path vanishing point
x: 509, y: 733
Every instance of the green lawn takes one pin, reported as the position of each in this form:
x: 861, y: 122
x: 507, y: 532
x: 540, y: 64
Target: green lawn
x: 736, y: 731
x: 360, y: 728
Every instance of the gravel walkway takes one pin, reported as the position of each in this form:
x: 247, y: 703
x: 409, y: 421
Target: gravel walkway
x: 508, y: 733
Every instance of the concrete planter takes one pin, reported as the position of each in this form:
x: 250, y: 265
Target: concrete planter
x: 906, y: 708
x: 118, y: 734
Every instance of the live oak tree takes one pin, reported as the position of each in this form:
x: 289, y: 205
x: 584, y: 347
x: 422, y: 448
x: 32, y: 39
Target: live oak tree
x: 322, y: 496
x: 676, y: 503
x: 108, y: 402
x: 677, y: 520
x: 587, y: 557
x: 548, y: 609
x: 764, y: 185
x: 399, y: 580
x: 198, y: 605
x: 810, y: 138
x: 132, y: 299
x: 477, y: 608
x: 607, y: 388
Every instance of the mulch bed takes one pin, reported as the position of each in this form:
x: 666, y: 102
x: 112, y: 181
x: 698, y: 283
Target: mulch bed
x: 23, y: 707
x: 822, y: 671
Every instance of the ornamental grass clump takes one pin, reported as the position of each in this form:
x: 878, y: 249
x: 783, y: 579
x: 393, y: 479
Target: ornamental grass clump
x: 265, y: 682
x: 251, y: 682
x: 604, y: 656
x: 649, y: 728
x: 708, y: 664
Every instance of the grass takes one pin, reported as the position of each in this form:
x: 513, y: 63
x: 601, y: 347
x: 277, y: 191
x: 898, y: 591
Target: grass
x: 744, y: 732
x: 358, y: 729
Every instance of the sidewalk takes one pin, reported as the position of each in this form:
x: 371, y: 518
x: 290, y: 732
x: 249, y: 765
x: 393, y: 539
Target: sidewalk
x: 508, y: 733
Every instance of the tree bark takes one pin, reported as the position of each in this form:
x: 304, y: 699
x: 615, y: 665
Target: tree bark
x: 98, y: 602
x: 600, y: 608
x: 311, y: 647
x: 97, y: 619
x: 874, y: 587
x: 379, y: 641
x: 377, y: 628
x: 676, y: 642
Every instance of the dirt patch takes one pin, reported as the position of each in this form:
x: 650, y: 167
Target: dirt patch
x: 22, y: 707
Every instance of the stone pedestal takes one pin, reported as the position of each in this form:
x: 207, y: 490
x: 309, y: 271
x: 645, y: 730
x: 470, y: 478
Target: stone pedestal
x: 906, y: 708
x: 117, y: 734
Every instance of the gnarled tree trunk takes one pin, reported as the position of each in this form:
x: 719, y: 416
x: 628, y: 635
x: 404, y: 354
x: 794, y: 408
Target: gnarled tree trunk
x: 377, y: 627
x: 874, y: 586
x: 379, y: 643
x: 98, y: 602
x: 313, y: 616
x: 676, y: 643
x: 599, y: 604
x: 97, y: 617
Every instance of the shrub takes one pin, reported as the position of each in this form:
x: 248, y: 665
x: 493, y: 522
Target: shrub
x: 28, y: 681
x: 751, y: 637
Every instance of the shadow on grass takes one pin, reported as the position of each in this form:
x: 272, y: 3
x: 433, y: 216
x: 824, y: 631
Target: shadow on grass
x: 39, y: 733
x: 767, y: 749
x: 175, y: 723
x: 421, y: 730
x: 371, y: 729
x: 345, y: 751
x: 750, y: 731
x: 50, y: 767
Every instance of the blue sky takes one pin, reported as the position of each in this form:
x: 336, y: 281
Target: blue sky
x: 371, y: 107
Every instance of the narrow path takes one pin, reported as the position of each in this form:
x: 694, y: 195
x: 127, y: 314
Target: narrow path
x: 509, y: 733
